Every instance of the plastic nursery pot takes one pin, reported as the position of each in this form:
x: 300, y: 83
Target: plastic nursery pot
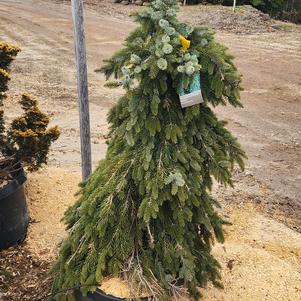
x: 14, y: 216
x: 99, y: 295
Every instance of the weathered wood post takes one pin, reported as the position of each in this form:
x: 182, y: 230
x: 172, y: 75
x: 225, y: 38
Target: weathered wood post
x: 234, y: 5
x: 82, y: 86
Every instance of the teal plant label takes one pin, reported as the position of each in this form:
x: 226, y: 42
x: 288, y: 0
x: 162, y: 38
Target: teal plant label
x: 192, y: 95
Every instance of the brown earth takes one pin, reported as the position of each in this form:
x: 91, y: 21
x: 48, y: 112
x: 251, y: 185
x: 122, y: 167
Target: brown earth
x: 269, y: 128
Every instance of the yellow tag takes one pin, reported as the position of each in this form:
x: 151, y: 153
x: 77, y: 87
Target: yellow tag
x: 185, y: 43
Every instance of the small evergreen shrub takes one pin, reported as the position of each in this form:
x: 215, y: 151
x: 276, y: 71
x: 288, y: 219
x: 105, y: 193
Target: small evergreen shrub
x: 146, y: 213
x: 27, y: 139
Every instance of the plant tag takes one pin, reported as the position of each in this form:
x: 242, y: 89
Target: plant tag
x: 191, y: 99
x: 192, y: 95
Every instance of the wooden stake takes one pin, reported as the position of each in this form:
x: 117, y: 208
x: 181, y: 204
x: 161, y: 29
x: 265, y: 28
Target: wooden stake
x: 82, y: 87
x: 234, y: 5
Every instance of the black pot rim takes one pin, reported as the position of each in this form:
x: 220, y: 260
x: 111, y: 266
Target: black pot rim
x: 13, y: 185
x: 102, y: 296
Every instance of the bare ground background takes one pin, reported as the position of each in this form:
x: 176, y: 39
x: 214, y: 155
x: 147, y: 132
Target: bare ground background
x: 266, y: 200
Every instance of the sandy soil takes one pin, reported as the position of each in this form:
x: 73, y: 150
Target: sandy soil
x: 49, y: 193
x: 261, y: 258
x: 263, y: 252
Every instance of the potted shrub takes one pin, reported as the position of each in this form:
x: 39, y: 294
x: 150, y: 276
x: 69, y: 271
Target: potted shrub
x: 146, y: 214
x: 25, y: 143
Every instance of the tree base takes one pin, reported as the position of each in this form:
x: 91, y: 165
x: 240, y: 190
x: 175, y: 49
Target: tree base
x: 99, y: 295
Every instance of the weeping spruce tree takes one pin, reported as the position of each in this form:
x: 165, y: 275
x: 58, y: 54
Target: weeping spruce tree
x: 146, y: 213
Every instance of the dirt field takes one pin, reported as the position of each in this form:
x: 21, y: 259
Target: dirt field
x: 269, y: 128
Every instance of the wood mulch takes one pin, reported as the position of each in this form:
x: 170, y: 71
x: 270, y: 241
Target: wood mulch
x: 22, y: 275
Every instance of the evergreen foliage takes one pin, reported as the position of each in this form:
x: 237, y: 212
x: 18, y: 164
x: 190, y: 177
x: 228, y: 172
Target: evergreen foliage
x: 146, y: 213
x: 27, y: 139
x: 7, y: 55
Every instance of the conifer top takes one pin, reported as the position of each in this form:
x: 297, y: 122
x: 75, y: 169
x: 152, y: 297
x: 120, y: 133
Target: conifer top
x: 155, y: 51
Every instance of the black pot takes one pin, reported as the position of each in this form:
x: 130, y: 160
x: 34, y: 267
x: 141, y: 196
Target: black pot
x: 14, y: 217
x: 99, y: 295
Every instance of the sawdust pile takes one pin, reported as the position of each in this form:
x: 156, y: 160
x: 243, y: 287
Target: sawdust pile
x: 49, y: 193
x: 119, y: 288
x: 261, y: 258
